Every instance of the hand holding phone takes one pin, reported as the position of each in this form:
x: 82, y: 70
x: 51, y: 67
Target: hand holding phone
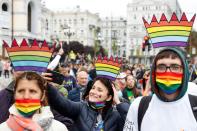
x: 56, y: 77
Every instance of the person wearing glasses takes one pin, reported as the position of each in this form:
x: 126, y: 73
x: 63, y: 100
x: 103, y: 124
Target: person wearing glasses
x: 169, y: 109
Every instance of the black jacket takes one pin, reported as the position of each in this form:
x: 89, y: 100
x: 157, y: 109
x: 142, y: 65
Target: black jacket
x: 84, y: 116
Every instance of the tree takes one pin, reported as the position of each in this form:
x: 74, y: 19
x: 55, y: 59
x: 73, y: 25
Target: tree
x: 192, y: 43
x: 89, y: 50
x: 65, y: 47
x: 114, y: 47
x: 96, y: 41
x: 76, y: 47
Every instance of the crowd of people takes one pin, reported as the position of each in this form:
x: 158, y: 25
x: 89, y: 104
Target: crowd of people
x: 103, y: 95
x: 82, y: 102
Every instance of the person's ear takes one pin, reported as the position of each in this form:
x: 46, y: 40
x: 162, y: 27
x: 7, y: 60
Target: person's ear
x: 109, y: 98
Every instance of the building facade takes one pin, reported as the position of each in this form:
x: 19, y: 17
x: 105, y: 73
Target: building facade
x: 30, y: 19
x: 75, y: 25
x: 113, y: 35
x: 19, y: 19
x: 122, y: 37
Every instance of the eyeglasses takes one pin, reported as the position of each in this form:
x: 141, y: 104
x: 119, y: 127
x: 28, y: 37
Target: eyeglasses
x: 173, y: 68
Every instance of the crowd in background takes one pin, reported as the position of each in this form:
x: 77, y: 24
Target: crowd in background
x: 132, y: 81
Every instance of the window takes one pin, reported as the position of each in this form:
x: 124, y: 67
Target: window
x: 47, y: 25
x: 82, y: 20
x: 4, y: 7
x: 125, y: 33
x: 156, y: 8
x: 106, y: 23
x: 65, y: 21
x: 75, y: 21
x: 134, y: 17
x: 82, y: 32
x: 134, y: 28
x: 106, y: 33
x: 70, y: 21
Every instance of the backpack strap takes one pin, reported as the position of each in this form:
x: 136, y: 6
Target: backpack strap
x: 193, y: 103
x: 143, y: 106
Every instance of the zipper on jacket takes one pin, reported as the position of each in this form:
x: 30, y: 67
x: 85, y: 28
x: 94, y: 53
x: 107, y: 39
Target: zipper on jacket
x: 94, y: 122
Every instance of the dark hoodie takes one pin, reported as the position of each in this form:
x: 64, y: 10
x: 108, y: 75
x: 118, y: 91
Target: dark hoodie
x: 185, y: 80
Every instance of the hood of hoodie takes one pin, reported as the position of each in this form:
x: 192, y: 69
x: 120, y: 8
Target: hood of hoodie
x: 185, y: 79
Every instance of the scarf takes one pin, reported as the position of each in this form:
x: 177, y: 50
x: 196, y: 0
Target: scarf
x: 17, y: 123
x: 169, y: 82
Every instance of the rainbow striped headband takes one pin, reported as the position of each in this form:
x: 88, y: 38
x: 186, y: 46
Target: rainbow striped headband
x: 172, y: 33
x: 107, y: 68
x: 29, y: 58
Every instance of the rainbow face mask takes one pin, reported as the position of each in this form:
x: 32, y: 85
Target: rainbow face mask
x: 97, y: 105
x: 27, y: 107
x: 169, y: 82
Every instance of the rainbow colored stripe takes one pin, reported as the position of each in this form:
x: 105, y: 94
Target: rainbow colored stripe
x: 98, y: 105
x: 29, y: 58
x: 172, y: 33
x: 27, y: 107
x: 169, y: 81
x: 108, y: 68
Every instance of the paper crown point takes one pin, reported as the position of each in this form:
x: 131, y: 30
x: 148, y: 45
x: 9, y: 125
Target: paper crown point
x: 154, y: 19
x: 169, y: 33
x: 107, y: 68
x: 174, y: 17
x: 35, y: 43
x: 163, y: 17
x: 29, y: 58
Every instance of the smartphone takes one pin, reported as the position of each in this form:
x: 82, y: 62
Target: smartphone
x: 56, y: 77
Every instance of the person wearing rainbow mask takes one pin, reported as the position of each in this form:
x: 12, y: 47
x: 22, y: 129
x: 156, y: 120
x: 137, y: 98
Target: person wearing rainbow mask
x: 170, y: 108
x: 30, y: 110
x: 97, y: 112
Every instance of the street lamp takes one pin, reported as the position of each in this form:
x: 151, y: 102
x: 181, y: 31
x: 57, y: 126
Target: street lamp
x: 99, y: 38
x: 67, y: 32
